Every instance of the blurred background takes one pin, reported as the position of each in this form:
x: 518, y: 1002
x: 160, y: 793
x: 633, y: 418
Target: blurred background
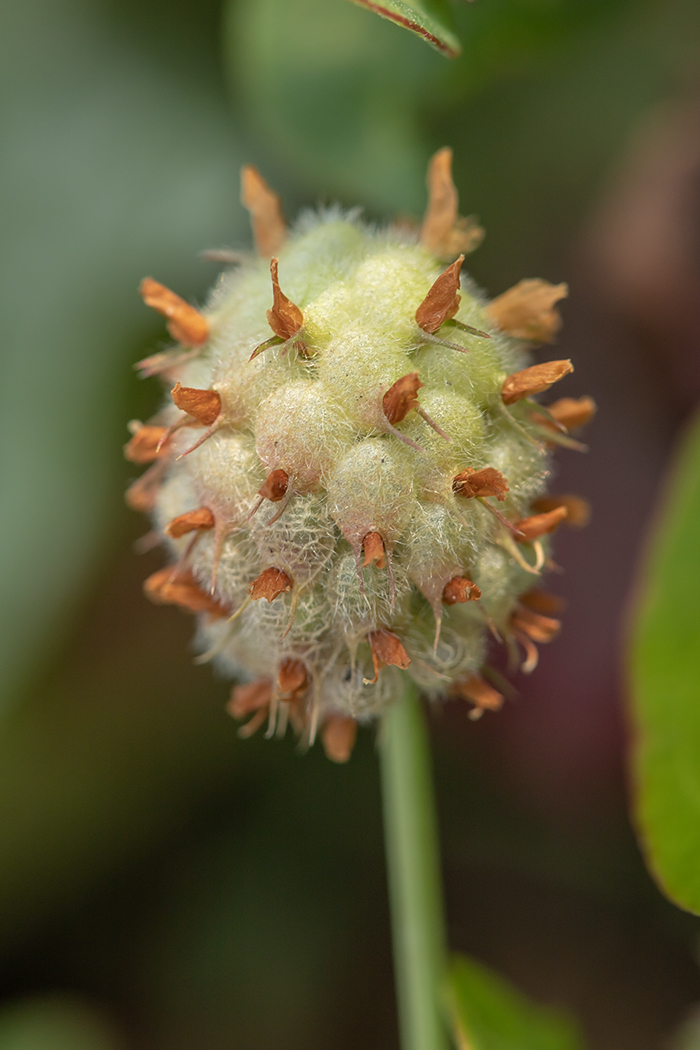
x: 162, y: 883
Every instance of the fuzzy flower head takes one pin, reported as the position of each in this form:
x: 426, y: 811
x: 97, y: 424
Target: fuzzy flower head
x: 349, y: 469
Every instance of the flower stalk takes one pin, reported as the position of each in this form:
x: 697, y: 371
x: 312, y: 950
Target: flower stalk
x: 413, y: 863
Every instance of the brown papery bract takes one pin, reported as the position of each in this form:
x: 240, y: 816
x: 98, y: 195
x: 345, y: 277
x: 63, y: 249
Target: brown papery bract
x: 265, y: 208
x: 270, y: 584
x: 401, y: 397
x: 539, y: 524
x: 142, y: 494
x: 527, y: 311
x: 387, y: 650
x: 285, y: 318
x: 204, y: 405
x: 578, y: 510
x: 338, y: 735
x: 460, y: 589
x: 374, y: 550
x: 145, y: 445
x: 183, y: 589
x: 202, y: 518
x: 442, y: 301
x: 543, y: 602
x: 275, y: 486
x: 534, y: 380
x: 185, y: 323
x: 485, y: 482
x: 478, y: 692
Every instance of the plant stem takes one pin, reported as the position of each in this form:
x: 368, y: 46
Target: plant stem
x: 415, y: 889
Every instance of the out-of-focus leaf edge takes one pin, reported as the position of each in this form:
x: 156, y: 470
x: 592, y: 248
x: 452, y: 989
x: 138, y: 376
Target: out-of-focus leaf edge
x: 429, y: 28
x: 673, y: 503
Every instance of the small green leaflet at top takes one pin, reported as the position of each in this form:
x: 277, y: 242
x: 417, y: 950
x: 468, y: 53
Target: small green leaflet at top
x: 664, y: 672
x: 429, y: 19
x: 488, y: 1013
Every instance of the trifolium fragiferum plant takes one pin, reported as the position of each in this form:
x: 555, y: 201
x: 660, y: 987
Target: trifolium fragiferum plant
x: 349, y: 469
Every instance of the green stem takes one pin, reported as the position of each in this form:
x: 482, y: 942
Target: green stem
x: 415, y: 889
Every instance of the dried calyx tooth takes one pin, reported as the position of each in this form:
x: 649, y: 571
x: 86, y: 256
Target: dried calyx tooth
x: 534, y: 380
x: 444, y: 232
x: 267, y: 220
x: 527, y: 311
x: 185, y: 324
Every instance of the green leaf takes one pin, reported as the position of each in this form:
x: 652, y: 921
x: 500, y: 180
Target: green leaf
x: 429, y: 19
x: 664, y: 674
x: 489, y: 1014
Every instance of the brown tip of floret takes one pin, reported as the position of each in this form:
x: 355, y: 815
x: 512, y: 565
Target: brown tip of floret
x: 578, y: 510
x: 142, y: 494
x: 401, y: 397
x: 535, y: 625
x: 275, y: 486
x: 442, y: 301
x: 338, y: 735
x: 185, y: 323
x: 166, y: 587
x: 250, y: 697
x: 485, y: 482
x: 147, y: 443
x: 285, y: 318
x: 527, y: 311
x: 199, y: 519
x: 292, y: 676
x: 267, y: 220
x: 444, y: 232
x: 270, y: 584
x: 534, y: 380
x: 460, y: 589
x: 477, y: 691
x: 538, y: 524
x: 374, y: 550
x: 571, y: 412
x: 387, y: 650
x: 203, y: 405
x: 543, y: 602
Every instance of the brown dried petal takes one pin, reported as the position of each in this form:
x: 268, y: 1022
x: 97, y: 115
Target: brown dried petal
x: 267, y: 220
x: 143, y: 447
x: 270, y: 584
x: 479, y: 692
x: 285, y: 318
x: 539, y: 524
x: 444, y: 232
x: 442, y: 301
x: 185, y: 323
x: 401, y: 397
x: 543, y: 602
x: 578, y: 510
x: 202, y: 518
x: 204, y: 405
x: 460, y: 589
x: 292, y: 676
x: 387, y: 649
x: 248, y: 698
x: 485, y: 482
x: 527, y: 310
x: 338, y: 735
x: 275, y: 486
x: 183, y: 590
x: 375, y: 552
x: 573, y: 412
x: 536, y: 626
x: 142, y: 494
x: 534, y: 380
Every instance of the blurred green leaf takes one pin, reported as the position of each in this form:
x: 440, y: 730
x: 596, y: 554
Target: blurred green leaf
x: 665, y: 677
x: 428, y: 19
x: 53, y: 1024
x: 489, y: 1014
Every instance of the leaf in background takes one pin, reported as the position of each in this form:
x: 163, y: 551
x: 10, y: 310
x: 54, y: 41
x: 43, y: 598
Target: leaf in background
x: 429, y: 19
x: 54, y: 1023
x: 665, y: 687
x: 489, y: 1014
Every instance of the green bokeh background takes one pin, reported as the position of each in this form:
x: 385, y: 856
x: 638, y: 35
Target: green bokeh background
x: 163, y: 884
